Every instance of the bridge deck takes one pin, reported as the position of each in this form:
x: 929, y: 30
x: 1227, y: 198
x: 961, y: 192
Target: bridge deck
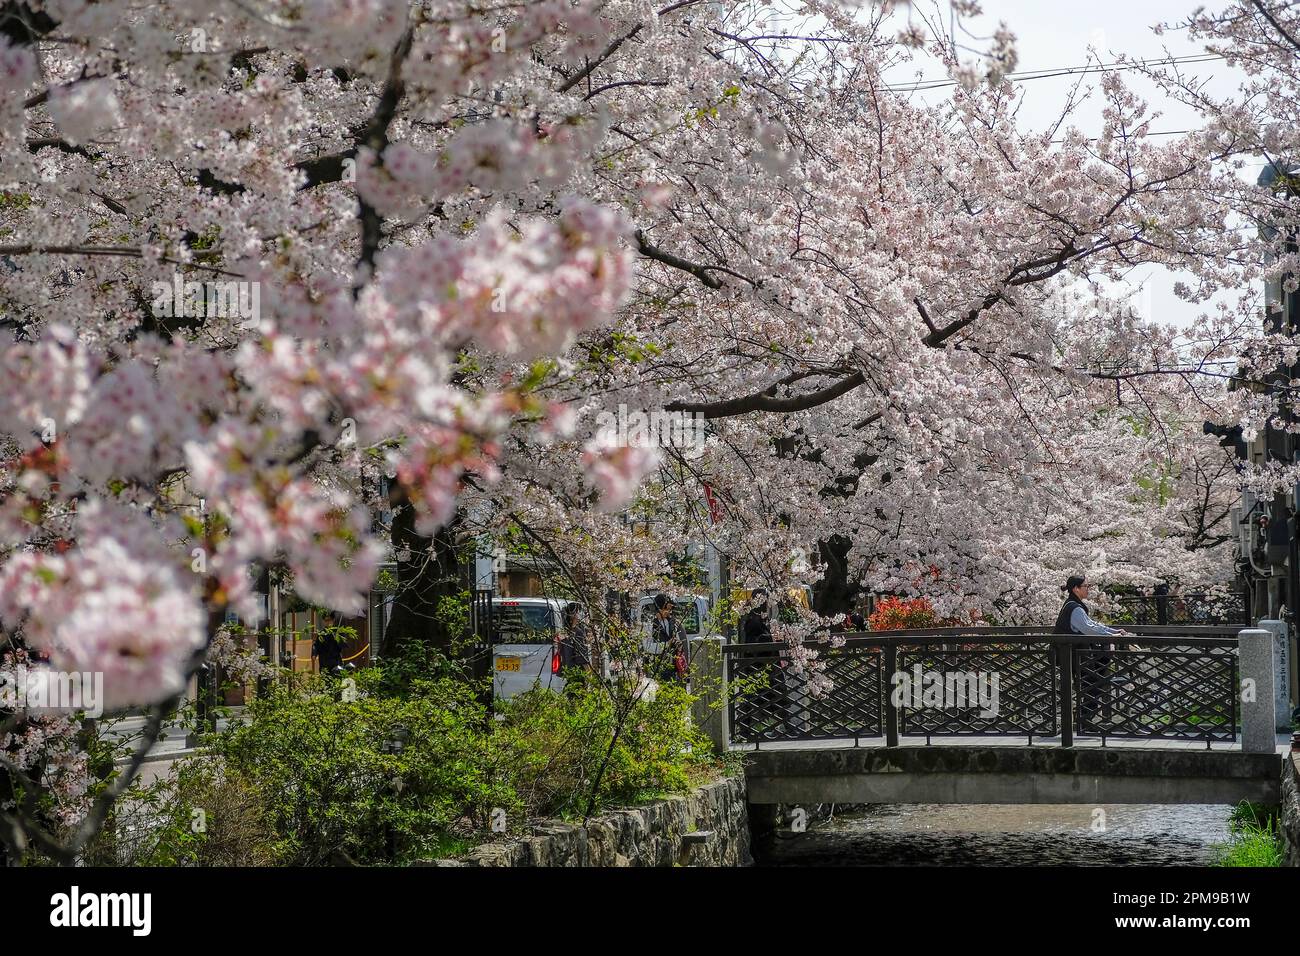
x: 1110, y: 743
x: 982, y: 771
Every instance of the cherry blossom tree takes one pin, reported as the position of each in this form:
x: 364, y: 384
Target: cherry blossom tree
x: 1261, y: 40
x: 224, y: 332
x: 876, y: 322
x: 306, y: 285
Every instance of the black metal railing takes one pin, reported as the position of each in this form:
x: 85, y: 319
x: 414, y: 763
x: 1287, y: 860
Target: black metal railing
x: 1159, y: 683
x: 481, y: 620
x: 1224, y: 609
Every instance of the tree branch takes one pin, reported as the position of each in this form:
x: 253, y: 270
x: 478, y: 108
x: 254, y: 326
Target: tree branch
x: 764, y: 401
x: 677, y: 262
x: 376, y: 138
x: 1276, y: 26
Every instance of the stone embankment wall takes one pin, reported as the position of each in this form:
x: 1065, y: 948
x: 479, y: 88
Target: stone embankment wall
x: 1291, y: 809
x: 708, y: 827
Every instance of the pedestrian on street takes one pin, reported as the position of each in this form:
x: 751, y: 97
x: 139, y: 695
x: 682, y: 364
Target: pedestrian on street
x: 575, y: 642
x: 328, y: 651
x: 669, y: 664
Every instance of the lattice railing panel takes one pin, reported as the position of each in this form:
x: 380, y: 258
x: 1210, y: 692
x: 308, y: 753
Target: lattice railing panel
x: 1170, y: 693
x: 769, y: 702
x: 1018, y: 685
x: 1161, y: 691
x: 1181, y: 609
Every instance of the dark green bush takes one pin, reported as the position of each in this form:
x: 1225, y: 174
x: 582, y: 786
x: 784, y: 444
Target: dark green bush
x: 375, y: 779
x: 201, y: 814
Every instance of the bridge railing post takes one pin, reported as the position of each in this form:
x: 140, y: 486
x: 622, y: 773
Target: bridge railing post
x: 709, y: 685
x: 1065, y: 681
x: 886, y: 687
x: 1258, y: 702
x: 1281, y: 671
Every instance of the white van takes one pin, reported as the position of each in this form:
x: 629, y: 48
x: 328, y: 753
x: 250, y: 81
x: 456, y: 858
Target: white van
x: 524, y: 631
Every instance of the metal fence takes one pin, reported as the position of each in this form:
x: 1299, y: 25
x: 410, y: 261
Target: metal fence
x: 1209, y: 610
x: 981, y: 682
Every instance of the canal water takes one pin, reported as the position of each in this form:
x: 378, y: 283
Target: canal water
x: 1004, y: 835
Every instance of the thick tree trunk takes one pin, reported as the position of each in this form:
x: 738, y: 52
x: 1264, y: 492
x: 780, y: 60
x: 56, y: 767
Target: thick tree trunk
x: 835, y: 593
x: 431, y: 572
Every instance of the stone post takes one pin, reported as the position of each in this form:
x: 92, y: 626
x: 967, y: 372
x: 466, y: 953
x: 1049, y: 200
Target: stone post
x: 710, y: 710
x: 189, y: 698
x: 1281, y: 672
x: 1258, y: 701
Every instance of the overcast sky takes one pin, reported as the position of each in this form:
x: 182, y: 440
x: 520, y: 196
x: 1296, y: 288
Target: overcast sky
x: 1053, y: 35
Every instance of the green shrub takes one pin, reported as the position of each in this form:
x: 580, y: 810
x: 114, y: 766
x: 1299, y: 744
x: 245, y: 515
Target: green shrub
x: 411, y: 766
x: 412, y: 662
x: 597, y: 744
x: 201, y: 814
x: 373, y: 779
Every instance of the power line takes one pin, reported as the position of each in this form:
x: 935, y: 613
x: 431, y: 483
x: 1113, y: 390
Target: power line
x: 1161, y: 132
x: 1027, y: 75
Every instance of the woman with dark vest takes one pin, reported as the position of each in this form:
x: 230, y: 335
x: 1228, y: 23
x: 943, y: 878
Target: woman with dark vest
x: 1093, y: 667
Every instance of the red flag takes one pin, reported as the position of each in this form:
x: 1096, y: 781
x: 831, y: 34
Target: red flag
x: 714, y: 515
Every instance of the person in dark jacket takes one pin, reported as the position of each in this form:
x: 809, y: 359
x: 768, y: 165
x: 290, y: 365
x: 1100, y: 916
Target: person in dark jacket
x: 1094, y: 663
x: 328, y: 651
x: 575, y: 643
x: 756, y: 626
x: 669, y: 665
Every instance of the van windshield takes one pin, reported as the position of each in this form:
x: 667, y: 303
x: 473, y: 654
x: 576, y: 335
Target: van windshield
x: 522, y: 623
x: 686, y: 611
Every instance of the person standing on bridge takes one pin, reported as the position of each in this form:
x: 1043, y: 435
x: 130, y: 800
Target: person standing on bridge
x: 755, y: 627
x: 1094, y: 667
